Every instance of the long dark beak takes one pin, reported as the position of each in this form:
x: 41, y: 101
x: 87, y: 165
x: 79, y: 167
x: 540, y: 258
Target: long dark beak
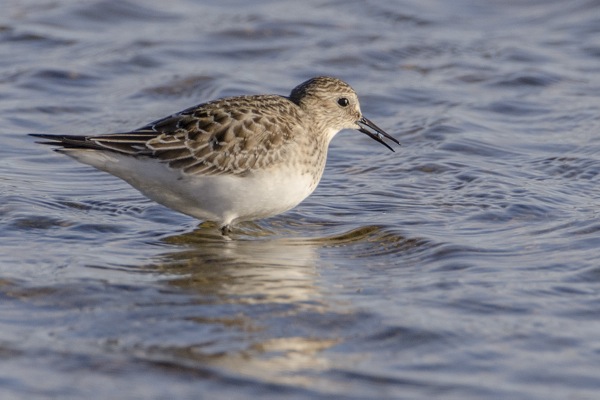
x: 375, y: 132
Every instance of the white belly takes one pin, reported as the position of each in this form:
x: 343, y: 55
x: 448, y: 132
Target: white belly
x: 225, y: 199
x: 229, y: 199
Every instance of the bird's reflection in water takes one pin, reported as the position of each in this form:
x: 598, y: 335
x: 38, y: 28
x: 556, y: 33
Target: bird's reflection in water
x: 250, y: 269
x: 251, y: 291
x: 260, y: 304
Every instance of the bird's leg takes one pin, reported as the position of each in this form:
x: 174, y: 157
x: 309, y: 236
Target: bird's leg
x: 225, y: 230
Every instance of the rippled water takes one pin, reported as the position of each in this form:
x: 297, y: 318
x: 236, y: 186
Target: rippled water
x: 465, y: 265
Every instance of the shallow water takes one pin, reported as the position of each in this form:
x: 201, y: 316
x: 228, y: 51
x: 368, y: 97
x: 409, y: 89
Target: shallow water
x: 465, y: 265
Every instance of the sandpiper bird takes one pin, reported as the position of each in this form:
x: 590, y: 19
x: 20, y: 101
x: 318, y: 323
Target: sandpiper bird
x: 233, y: 159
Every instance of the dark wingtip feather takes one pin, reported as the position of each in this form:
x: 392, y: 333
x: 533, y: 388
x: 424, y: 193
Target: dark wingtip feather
x: 57, y: 139
x: 67, y: 141
x: 128, y: 143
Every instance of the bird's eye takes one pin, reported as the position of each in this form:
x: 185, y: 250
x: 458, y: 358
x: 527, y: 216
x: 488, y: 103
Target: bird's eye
x: 342, y: 101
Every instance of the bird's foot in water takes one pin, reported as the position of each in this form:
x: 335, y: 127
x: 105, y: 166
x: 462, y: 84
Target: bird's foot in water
x: 225, y: 230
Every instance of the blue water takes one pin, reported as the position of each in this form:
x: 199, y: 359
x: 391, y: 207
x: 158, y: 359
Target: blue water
x: 463, y: 266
